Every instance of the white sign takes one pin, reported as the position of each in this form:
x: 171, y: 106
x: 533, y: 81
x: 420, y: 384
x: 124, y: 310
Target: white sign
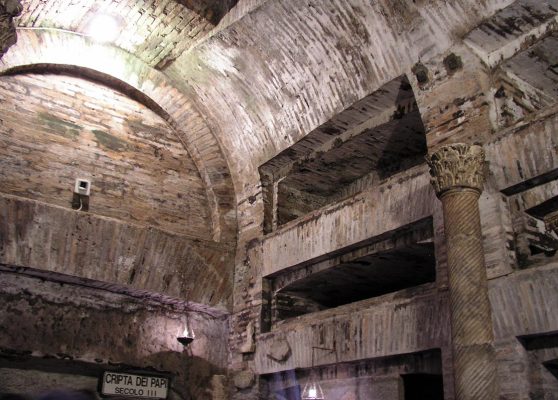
x: 137, y: 386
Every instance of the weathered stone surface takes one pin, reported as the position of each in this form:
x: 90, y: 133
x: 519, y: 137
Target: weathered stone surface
x: 39, y: 50
x: 72, y: 126
x: 411, y: 320
x: 244, y: 379
x: 511, y: 30
x: 156, y: 46
x: 521, y: 154
x: 9, y: 9
x: 458, y: 176
x: 279, y: 350
x: 276, y: 114
x: 257, y: 85
x: 49, y: 238
x: 377, y: 137
x: 456, y: 106
x: 512, y: 298
x: 94, y: 328
x: 353, y: 220
x: 218, y: 389
x: 249, y: 345
x: 15, y: 380
x: 551, y: 221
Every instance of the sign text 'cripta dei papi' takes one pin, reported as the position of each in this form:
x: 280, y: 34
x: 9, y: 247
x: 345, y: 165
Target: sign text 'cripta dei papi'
x: 136, y: 386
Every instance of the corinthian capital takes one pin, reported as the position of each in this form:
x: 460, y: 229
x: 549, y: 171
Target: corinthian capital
x: 457, y: 165
x: 8, y: 10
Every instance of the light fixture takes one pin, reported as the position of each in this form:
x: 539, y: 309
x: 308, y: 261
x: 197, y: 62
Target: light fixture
x: 103, y: 28
x: 312, y: 389
x: 187, y: 336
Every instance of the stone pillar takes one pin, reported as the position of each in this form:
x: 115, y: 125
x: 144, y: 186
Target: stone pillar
x: 269, y: 191
x: 457, y: 176
x: 8, y: 10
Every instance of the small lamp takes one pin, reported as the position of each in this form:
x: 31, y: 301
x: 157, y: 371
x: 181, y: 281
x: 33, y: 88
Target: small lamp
x: 187, y: 336
x: 312, y: 390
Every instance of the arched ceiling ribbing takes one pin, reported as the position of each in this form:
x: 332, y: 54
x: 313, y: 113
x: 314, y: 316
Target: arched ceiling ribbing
x: 71, y: 52
x: 281, y: 71
x: 286, y: 67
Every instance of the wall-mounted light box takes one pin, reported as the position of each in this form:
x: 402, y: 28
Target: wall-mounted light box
x: 83, y: 187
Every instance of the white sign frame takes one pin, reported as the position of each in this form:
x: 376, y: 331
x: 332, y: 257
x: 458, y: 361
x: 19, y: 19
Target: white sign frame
x: 137, y: 386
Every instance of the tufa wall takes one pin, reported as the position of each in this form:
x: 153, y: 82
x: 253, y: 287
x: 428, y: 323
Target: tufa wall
x: 78, y: 331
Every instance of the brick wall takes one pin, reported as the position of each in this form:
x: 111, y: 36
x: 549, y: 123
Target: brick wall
x: 50, y: 238
x: 54, y: 129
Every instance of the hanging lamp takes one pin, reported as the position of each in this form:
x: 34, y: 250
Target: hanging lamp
x: 312, y: 389
x: 187, y: 336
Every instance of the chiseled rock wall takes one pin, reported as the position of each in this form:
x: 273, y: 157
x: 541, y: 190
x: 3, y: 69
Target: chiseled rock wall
x: 88, y: 329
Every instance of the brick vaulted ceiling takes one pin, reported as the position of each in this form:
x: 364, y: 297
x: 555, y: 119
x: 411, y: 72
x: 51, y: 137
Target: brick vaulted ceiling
x: 263, y: 74
x: 154, y: 31
x: 52, y: 37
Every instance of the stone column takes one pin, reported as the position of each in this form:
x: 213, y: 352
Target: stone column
x: 269, y: 191
x: 457, y: 176
x: 8, y: 10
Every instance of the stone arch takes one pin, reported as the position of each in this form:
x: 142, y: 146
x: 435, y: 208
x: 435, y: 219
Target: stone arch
x: 274, y: 81
x: 45, y: 50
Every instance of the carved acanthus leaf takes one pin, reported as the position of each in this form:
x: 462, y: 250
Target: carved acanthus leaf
x: 457, y: 165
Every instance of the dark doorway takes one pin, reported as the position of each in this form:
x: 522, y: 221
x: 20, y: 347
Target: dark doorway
x: 423, y: 387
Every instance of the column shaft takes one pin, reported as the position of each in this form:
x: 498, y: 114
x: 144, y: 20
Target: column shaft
x: 471, y: 319
x: 458, y: 176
